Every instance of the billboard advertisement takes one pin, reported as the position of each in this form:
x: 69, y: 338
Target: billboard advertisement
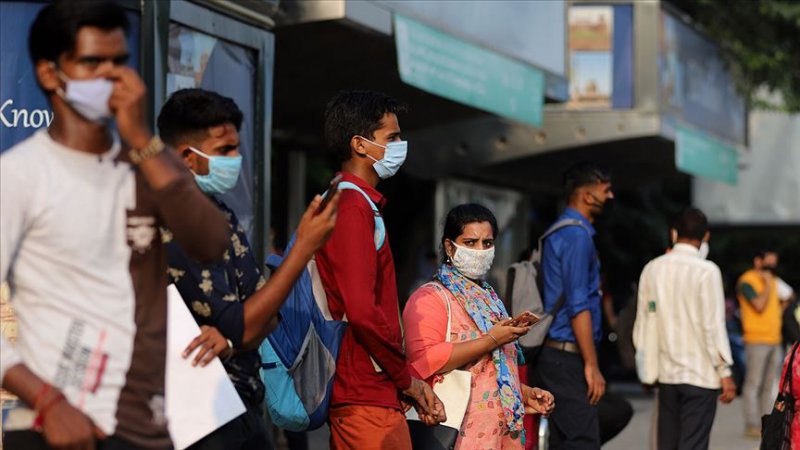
x: 694, y: 84
x: 600, y: 56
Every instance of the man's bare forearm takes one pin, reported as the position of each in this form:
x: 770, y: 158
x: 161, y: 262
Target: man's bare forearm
x: 23, y: 383
x: 582, y: 328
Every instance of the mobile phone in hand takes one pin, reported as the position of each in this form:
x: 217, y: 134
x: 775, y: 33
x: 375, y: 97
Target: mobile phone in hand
x: 525, y: 319
x: 332, y: 189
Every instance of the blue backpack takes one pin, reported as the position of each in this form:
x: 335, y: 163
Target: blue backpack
x: 299, y: 356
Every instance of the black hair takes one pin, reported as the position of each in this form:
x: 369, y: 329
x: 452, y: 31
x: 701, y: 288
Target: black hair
x: 191, y: 111
x: 583, y: 174
x: 762, y: 253
x: 462, y: 215
x: 352, y: 113
x: 55, y: 29
x: 691, y: 223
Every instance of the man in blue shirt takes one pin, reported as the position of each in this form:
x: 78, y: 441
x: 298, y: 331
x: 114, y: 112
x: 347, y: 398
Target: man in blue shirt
x: 232, y: 302
x: 568, y: 364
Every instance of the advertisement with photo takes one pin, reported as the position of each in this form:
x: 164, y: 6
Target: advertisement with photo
x: 591, y: 30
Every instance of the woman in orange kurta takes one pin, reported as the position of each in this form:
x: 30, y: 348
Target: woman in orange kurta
x: 482, y: 337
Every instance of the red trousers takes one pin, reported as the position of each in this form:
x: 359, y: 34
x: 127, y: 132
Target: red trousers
x: 358, y: 427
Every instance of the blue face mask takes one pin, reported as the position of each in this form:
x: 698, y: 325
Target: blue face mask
x: 393, y: 158
x: 223, y: 171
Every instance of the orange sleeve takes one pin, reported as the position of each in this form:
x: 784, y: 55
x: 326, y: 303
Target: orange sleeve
x: 425, y: 323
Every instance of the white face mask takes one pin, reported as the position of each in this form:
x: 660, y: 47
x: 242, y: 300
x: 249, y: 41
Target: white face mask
x: 704, y: 249
x: 88, y: 97
x: 474, y: 264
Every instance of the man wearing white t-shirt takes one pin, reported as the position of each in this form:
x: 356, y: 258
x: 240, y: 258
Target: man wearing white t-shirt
x: 680, y: 337
x: 80, y: 210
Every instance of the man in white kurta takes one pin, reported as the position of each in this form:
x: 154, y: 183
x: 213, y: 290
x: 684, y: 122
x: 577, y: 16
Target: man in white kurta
x: 680, y: 337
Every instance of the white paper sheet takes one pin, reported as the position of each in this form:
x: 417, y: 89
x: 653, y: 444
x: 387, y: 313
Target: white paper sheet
x: 198, y: 399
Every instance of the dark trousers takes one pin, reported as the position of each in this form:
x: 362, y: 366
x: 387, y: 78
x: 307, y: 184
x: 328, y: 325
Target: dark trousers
x: 296, y: 440
x: 32, y: 440
x: 685, y: 416
x: 574, y: 421
x: 246, y: 432
x: 613, y: 414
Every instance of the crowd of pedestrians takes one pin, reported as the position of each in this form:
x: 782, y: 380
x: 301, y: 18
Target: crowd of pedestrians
x: 98, y: 215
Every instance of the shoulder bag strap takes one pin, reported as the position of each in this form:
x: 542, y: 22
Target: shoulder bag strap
x: 442, y: 292
x: 788, y: 374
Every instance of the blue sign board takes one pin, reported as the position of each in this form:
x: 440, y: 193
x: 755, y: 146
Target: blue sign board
x: 694, y: 84
x: 699, y: 154
x: 441, y: 64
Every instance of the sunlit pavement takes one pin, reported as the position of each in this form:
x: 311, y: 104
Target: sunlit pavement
x: 727, y: 433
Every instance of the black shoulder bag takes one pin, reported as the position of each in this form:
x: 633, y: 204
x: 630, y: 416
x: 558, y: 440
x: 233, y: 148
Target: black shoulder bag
x: 776, y: 427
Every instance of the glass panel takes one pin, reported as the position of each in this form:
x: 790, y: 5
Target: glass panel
x: 199, y: 60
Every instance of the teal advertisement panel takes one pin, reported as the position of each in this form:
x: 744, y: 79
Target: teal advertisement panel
x: 698, y: 154
x: 441, y: 64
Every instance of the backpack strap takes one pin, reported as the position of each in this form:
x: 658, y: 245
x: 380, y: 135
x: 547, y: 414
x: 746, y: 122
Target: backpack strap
x: 540, y: 282
x: 557, y: 226
x: 380, y: 228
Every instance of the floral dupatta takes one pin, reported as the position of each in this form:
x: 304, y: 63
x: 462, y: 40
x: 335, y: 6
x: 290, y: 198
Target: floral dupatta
x: 486, y: 309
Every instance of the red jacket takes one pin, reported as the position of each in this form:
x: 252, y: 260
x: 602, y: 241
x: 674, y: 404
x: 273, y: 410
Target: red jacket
x: 360, y: 282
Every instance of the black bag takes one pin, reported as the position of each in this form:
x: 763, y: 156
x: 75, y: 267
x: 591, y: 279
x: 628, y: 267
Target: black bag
x: 776, y: 427
x: 438, y: 437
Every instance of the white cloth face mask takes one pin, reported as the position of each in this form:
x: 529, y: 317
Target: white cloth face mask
x: 88, y: 97
x: 472, y: 263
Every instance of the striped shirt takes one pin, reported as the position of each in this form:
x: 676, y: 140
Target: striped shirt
x: 681, y: 300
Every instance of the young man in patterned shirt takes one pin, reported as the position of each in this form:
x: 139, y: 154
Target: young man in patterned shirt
x: 231, y: 301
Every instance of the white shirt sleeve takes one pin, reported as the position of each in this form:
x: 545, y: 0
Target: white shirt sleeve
x: 14, y: 202
x: 14, y: 207
x: 643, y: 295
x: 8, y: 357
x: 785, y: 291
x: 712, y: 322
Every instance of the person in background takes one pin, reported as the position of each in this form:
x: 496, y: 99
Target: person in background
x: 357, y: 269
x: 568, y: 365
x: 681, y: 306
x: 761, y: 310
x: 81, y: 204
x: 483, y: 339
x: 233, y: 304
x: 791, y: 314
x: 426, y: 267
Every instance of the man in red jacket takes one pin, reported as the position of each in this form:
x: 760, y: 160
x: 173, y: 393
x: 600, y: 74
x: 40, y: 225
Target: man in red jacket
x: 356, y: 266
